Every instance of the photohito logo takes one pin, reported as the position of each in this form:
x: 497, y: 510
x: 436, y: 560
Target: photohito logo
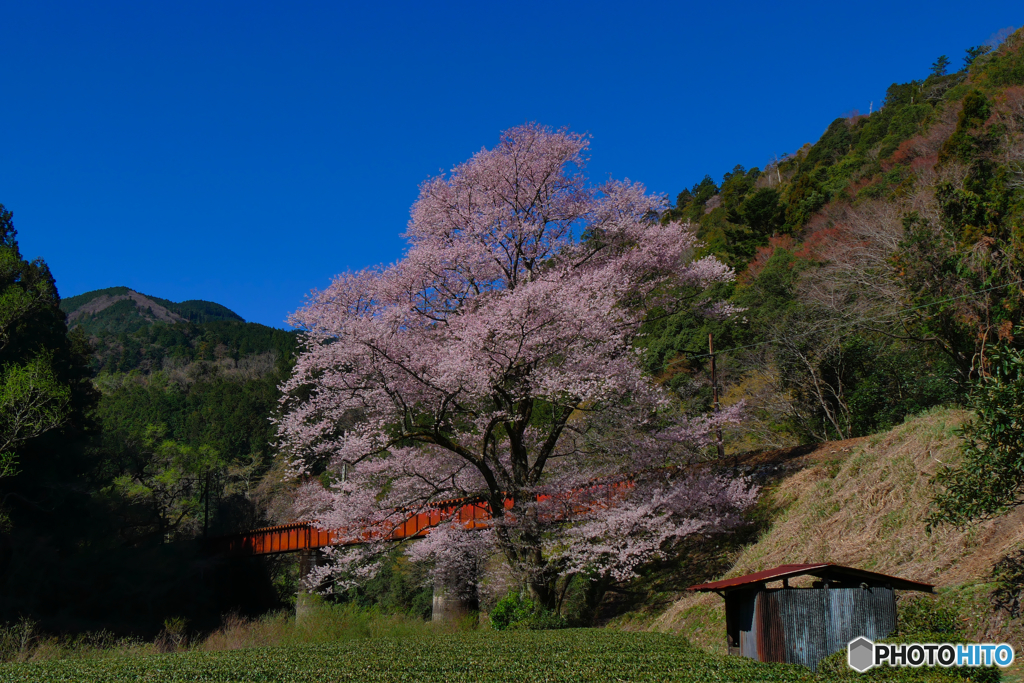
x: 862, y: 654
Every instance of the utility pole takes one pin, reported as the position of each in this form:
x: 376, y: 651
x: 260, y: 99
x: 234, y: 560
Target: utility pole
x: 206, y: 514
x: 714, y: 395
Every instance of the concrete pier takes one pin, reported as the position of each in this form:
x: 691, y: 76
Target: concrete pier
x: 306, y: 599
x: 447, y: 606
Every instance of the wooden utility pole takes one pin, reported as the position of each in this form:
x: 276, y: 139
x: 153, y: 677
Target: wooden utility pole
x: 206, y: 514
x: 714, y: 394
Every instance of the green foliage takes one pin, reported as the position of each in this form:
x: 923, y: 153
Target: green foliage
x: 168, y: 482
x: 127, y: 315
x: 32, y: 402
x: 43, y: 379
x: 972, y: 54
x: 763, y: 212
x: 924, y: 616
x: 73, y: 303
x: 973, y: 247
x: 889, y: 381
x: 969, y: 139
x: 400, y: 587
x: 149, y: 345
x: 1009, y: 594
x: 512, y: 609
x: 516, y: 611
x: 990, y: 478
x: 940, y: 65
x: 198, y: 311
x: 569, y: 655
x: 805, y: 197
x: 903, y: 125
x: 1004, y: 66
x: 156, y: 426
x: 833, y: 145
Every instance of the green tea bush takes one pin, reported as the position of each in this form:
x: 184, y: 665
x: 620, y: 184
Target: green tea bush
x: 569, y: 655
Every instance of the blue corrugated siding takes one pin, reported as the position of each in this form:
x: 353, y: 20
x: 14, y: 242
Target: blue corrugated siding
x: 748, y: 628
x: 805, y: 625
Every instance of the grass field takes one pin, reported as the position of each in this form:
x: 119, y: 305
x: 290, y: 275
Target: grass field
x: 569, y: 655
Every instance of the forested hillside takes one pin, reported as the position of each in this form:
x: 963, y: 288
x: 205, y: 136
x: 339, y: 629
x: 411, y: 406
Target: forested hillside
x: 171, y: 440
x: 878, y: 275
x: 875, y: 267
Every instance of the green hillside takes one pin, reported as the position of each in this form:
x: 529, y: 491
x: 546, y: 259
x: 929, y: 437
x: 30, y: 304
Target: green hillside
x: 908, y: 217
x: 121, y: 309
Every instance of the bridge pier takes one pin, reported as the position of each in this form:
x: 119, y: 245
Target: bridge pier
x: 449, y: 606
x: 306, y: 599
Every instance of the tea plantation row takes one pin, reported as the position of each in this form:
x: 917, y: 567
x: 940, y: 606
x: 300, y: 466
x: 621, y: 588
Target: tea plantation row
x: 569, y: 655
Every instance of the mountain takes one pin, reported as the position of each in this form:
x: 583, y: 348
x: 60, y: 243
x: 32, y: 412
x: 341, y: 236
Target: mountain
x: 120, y: 309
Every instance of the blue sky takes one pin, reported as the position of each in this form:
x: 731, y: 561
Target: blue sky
x: 246, y: 152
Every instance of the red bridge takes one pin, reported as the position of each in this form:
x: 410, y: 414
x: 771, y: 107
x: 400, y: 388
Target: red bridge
x: 288, y: 538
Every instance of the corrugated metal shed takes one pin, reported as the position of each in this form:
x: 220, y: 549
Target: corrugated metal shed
x: 805, y: 625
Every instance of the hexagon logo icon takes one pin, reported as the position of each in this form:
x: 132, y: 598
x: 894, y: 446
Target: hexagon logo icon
x: 860, y: 654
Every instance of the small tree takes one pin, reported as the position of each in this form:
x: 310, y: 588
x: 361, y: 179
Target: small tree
x: 989, y: 480
x: 495, y: 361
x: 940, y: 65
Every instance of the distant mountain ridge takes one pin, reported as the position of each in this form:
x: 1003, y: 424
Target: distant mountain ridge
x: 121, y: 309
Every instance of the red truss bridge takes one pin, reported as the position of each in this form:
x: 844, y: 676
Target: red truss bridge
x: 287, y: 538
x: 473, y: 513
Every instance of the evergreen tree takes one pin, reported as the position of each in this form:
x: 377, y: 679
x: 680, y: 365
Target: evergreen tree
x: 940, y: 65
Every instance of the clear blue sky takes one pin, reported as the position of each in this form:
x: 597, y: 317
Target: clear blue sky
x: 246, y: 152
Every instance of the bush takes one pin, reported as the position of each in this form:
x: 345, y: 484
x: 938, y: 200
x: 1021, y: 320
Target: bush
x: 16, y: 640
x: 518, y: 612
x: 921, y: 615
x: 511, y: 609
x: 1009, y: 573
x: 987, y: 482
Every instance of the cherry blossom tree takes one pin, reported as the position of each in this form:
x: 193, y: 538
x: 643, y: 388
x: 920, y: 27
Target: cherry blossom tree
x: 495, y: 361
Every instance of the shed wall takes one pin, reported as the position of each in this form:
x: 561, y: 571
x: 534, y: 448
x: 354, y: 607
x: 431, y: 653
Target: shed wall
x: 805, y: 625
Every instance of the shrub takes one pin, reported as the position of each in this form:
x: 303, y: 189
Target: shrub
x: 511, y: 609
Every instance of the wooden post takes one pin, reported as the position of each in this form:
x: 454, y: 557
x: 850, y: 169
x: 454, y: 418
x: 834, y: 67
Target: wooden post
x: 714, y: 393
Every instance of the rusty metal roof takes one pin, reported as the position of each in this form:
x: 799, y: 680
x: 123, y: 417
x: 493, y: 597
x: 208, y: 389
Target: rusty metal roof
x: 825, y: 570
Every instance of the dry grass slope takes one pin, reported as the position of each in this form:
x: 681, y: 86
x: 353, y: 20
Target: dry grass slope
x: 863, y: 504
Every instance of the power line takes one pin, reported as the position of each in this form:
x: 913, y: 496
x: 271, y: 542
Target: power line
x: 689, y: 356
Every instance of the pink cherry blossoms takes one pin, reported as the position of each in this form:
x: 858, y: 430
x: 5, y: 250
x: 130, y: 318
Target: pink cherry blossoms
x: 496, y: 360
